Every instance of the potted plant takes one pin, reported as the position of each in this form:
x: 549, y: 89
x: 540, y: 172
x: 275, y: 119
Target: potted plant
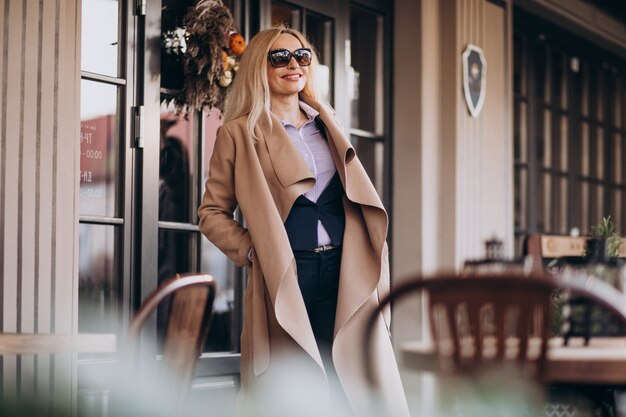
x: 599, y: 263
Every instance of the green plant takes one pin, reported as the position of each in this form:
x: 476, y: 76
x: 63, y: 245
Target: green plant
x: 606, y: 230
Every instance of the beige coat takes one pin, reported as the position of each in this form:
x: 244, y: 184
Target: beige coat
x: 265, y: 178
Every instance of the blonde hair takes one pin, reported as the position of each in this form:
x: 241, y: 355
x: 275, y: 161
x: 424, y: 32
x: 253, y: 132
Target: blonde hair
x: 250, y: 92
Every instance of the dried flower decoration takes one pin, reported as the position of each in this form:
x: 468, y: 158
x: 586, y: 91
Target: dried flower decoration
x: 209, y: 61
x: 175, y: 41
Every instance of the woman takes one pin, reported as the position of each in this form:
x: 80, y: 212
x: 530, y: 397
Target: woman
x: 314, y: 242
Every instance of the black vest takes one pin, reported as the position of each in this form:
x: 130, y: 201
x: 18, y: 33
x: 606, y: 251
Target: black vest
x: 301, y: 224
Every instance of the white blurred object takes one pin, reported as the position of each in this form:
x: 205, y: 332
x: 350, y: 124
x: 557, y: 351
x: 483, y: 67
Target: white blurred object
x: 322, y: 82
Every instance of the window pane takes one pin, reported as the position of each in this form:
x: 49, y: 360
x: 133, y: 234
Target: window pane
x: 177, y: 156
x: 557, y: 78
x: 284, y: 14
x: 564, y: 142
x: 623, y: 159
x: 520, y: 199
x: 99, y: 145
x: 214, y: 262
x: 521, y: 143
x: 585, y: 91
x: 599, y: 155
x: 97, y: 286
x: 618, y: 160
x: 547, y: 202
x: 584, y: 149
x: 519, y: 65
x: 319, y: 31
x: 100, y: 36
x: 547, y: 138
x: 622, y: 195
x: 617, y: 94
x: 599, y: 95
x: 563, y: 81
x: 372, y: 155
x: 172, y: 15
x: 365, y: 74
x: 563, y: 204
x: 584, y: 207
x: 616, y: 210
x: 600, y: 210
x: 177, y: 254
x: 175, y: 257
x: 540, y: 73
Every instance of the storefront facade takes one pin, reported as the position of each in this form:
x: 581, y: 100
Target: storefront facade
x: 100, y: 179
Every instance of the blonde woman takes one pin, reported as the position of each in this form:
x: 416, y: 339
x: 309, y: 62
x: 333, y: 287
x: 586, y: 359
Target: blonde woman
x: 314, y: 240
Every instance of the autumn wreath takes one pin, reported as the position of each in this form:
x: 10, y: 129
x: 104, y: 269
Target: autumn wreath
x: 209, y: 48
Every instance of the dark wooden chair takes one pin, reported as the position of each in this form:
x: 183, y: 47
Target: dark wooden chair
x: 485, y: 319
x: 191, y: 299
x: 490, y: 321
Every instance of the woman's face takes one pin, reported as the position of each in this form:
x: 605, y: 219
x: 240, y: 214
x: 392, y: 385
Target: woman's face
x: 289, y: 80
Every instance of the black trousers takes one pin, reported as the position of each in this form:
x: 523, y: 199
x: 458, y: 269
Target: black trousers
x: 318, y: 278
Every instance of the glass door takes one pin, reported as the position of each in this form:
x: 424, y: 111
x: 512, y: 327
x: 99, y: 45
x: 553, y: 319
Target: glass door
x: 142, y: 173
x: 185, y: 148
x: 107, y: 162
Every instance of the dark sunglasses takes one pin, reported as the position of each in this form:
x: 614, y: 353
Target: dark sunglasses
x: 281, y: 57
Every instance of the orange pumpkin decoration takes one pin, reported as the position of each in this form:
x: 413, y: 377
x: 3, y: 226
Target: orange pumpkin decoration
x: 237, y: 43
x: 225, y: 60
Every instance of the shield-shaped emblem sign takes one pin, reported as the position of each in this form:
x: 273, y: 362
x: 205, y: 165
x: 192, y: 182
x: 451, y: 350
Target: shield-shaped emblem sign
x: 474, y: 73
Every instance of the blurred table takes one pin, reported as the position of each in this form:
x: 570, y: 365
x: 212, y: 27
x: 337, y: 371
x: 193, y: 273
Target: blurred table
x: 602, y: 362
x: 38, y: 343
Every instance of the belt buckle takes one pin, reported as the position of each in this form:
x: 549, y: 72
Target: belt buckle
x: 323, y: 248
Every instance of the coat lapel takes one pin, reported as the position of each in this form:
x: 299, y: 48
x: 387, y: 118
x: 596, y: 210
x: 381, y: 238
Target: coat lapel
x: 357, y: 185
x: 292, y: 173
x: 366, y: 228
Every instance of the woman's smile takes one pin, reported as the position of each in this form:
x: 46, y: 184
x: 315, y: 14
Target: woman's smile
x: 292, y: 77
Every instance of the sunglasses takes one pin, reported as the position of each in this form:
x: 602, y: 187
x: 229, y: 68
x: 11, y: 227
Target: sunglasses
x: 280, y: 58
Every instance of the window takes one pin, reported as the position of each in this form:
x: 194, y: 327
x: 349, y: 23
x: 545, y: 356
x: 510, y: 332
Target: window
x: 569, y: 132
x: 366, y: 82
x: 104, y: 90
x: 186, y: 146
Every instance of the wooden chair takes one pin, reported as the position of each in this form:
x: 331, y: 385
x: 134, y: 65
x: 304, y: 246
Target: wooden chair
x: 483, y: 320
x: 191, y: 304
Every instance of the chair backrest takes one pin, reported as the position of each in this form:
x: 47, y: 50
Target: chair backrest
x: 191, y: 304
x: 483, y: 320
x: 488, y: 319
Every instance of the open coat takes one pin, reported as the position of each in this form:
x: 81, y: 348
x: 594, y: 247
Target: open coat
x: 264, y: 178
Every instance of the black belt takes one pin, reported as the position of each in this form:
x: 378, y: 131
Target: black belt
x: 320, y: 249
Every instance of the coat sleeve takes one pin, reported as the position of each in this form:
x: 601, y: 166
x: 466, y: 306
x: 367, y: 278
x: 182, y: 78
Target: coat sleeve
x: 215, y: 213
